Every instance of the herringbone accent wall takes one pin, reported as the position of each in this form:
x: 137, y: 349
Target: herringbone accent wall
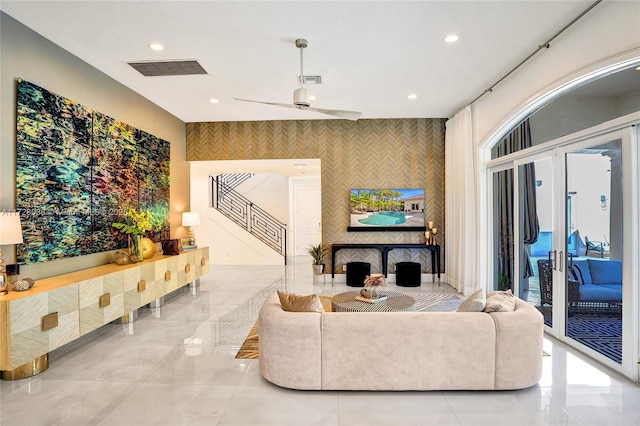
x: 392, y: 153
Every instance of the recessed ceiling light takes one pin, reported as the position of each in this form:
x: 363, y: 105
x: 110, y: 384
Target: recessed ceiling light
x: 240, y: 170
x: 312, y: 98
x: 214, y: 100
x: 156, y: 46
x: 451, y: 38
x: 412, y: 96
x: 637, y: 68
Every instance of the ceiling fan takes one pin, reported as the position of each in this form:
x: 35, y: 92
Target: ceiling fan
x: 301, y: 95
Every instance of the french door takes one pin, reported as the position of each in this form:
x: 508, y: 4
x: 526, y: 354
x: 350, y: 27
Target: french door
x: 562, y: 227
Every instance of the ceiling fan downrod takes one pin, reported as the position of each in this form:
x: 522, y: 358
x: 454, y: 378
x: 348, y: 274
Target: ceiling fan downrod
x: 301, y: 43
x: 300, y: 95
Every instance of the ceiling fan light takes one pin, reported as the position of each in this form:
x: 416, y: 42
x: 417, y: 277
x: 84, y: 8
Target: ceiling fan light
x: 301, y: 97
x: 451, y: 38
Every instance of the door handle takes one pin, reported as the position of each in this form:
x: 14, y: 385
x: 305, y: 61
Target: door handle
x: 552, y: 259
x: 560, y: 262
x: 570, y: 264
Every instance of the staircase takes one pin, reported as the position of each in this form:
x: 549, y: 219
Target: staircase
x: 245, y: 214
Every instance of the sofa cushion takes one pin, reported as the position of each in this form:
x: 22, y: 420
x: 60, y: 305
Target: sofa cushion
x: 595, y: 292
x: 408, y: 351
x: 295, y: 303
x: 575, y: 274
x: 500, y: 301
x: 583, y: 266
x: 474, y: 303
x: 605, y: 271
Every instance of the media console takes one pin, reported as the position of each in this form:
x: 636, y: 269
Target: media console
x: 384, y: 252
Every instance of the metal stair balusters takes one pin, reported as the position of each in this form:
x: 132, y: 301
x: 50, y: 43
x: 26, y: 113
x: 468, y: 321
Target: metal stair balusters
x: 246, y: 214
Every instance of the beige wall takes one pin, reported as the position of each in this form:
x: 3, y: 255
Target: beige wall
x: 25, y: 54
x: 395, y: 153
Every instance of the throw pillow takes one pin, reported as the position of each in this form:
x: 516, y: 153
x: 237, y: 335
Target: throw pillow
x: 473, y: 303
x: 295, y: 303
x: 500, y: 301
x: 575, y: 274
x: 605, y: 271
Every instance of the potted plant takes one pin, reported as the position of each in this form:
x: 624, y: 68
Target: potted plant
x: 135, y: 225
x: 317, y: 252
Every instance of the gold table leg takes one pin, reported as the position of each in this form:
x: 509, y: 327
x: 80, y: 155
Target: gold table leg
x: 29, y: 369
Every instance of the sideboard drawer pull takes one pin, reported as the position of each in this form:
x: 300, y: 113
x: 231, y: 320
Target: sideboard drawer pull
x: 49, y: 321
x: 187, y: 268
x: 167, y: 276
x: 203, y: 262
x: 142, y: 286
x: 105, y: 300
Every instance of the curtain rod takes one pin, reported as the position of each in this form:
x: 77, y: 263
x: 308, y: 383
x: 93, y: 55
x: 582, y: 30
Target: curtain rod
x: 544, y: 45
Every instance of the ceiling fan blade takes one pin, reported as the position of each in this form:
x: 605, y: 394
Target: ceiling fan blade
x: 347, y: 115
x: 266, y: 103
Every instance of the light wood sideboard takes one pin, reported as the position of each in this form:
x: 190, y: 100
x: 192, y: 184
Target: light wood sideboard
x: 60, y: 309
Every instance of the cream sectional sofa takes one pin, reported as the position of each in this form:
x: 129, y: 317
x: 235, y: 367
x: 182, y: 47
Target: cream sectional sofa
x: 400, y: 350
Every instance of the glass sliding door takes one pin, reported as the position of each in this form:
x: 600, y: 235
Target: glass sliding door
x: 594, y: 246
x: 536, y: 234
x: 565, y: 237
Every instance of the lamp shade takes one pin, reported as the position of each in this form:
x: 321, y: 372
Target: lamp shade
x: 190, y: 219
x: 10, y: 228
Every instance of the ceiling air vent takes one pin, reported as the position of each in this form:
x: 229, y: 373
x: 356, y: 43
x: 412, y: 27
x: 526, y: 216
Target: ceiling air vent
x: 309, y: 79
x: 163, y: 68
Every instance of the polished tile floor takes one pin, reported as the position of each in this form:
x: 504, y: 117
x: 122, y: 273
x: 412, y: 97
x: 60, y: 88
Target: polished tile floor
x: 176, y: 366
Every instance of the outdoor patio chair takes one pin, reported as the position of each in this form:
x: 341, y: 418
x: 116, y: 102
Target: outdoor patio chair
x: 596, y: 246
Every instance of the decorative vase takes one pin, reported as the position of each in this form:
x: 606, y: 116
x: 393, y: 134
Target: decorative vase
x: 370, y: 292
x: 148, y: 248
x: 135, y: 248
x: 373, y: 284
x: 121, y: 257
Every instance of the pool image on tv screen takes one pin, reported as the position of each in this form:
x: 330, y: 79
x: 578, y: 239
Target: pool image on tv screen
x: 386, y: 208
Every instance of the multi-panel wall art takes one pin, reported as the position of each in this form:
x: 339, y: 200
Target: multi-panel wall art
x: 77, y: 172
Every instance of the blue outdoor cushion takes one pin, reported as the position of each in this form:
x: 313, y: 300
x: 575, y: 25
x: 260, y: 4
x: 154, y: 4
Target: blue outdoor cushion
x: 575, y: 274
x: 599, y: 292
x: 605, y: 271
x: 583, y: 265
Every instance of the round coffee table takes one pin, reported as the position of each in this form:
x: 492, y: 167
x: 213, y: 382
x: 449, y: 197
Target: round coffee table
x: 397, y: 302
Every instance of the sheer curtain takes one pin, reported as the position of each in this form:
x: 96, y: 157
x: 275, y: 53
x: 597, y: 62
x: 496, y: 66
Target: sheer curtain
x: 461, y: 205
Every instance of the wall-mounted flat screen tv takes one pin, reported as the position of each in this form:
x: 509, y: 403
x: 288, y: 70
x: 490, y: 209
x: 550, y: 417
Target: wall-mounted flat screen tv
x: 386, y: 210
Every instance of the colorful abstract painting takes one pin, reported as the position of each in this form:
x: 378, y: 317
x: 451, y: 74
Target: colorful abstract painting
x: 77, y: 172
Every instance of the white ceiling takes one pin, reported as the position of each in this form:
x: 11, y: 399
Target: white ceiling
x: 371, y: 55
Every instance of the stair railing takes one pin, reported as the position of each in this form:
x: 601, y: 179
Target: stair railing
x: 248, y: 215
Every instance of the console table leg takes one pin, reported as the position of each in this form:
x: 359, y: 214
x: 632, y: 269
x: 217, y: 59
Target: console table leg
x: 157, y: 303
x: 127, y: 318
x: 29, y: 369
x: 194, y: 286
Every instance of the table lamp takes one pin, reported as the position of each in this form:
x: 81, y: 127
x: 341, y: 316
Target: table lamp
x: 190, y: 219
x: 10, y: 233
